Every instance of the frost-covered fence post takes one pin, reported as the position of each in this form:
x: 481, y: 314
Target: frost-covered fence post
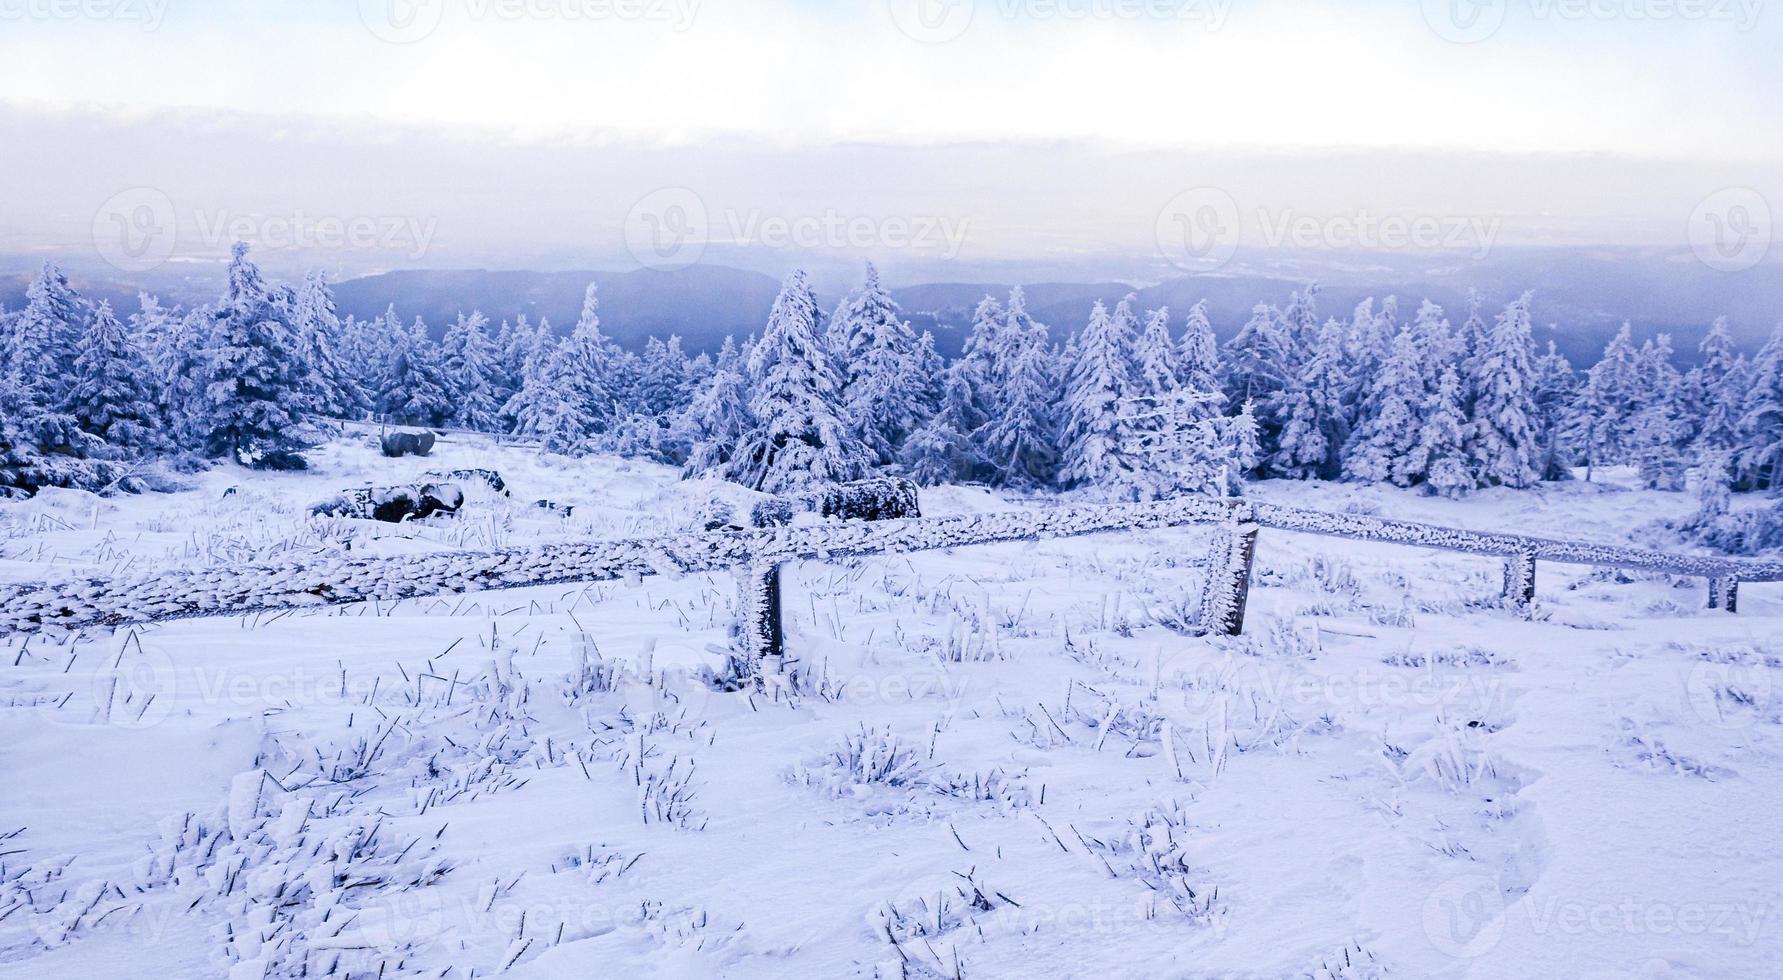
x: 1724, y: 593
x: 764, y: 636
x: 1519, y: 580
x: 1229, y: 578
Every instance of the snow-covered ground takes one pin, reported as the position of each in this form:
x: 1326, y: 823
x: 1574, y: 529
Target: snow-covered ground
x: 1005, y: 761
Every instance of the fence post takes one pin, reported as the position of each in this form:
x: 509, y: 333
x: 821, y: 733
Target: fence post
x: 1229, y: 579
x: 764, y: 636
x: 1519, y: 580
x: 1724, y: 593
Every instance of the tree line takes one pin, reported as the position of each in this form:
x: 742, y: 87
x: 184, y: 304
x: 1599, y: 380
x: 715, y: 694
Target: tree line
x: 1131, y: 404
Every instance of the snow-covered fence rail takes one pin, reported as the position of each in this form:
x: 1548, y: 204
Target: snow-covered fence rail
x: 92, y: 601
x: 1521, y: 552
x: 80, y: 602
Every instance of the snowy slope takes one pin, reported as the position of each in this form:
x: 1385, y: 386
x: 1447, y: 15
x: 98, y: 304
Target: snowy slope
x: 1005, y: 760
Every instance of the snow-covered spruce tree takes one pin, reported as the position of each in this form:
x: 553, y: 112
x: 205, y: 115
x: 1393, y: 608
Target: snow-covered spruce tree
x: 1440, y: 455
x: 975, y: 365
x: 798, y: 437
x: 942, y: 449
x: 1020, y: 439
x: 1759, y: 459
x: 662, y: 380
x: 473, y: 371
x: 1506, y: 451
x: 1198, y: 355
x: 257, y: 384
x: 1155, y: 365
x: 1315, y: 421
x: 1659, y: 431
x: 718, y: 417
x: 1300, y: 318
x: 180, y: 367
x: 1714, y: 395
x: 1599, y: 425
x: 334, y: 386
x: 1388, y: 423
x: 883, y: 394
x: 1556, y: 390
x: 42, y: 339
x: 1098, y: 447
x: 594, y: 368
x: 1241, y: 450
x: 416, y: 390
x: 110, y: 395
x: 551, y: 406
x: 1258, y: 364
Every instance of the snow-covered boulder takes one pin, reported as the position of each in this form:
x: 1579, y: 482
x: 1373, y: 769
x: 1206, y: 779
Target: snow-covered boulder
x: 394, y: 504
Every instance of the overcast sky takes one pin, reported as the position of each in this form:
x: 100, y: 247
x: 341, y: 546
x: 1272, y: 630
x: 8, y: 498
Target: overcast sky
x: 515, y: 132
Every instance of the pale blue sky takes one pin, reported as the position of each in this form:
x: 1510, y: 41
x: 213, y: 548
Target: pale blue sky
x: 1573, y: 120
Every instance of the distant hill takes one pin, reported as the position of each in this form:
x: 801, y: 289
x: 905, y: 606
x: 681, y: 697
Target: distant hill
x: 1584, y: 293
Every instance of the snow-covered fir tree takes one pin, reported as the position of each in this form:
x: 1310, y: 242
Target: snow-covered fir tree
x: 1506, y: 451
x: 1599, y: 424
x: 471, y: 371
x: 884, y: 391
x: 110, y: 395
x: 416, y: 390
x: 1098, y: 448
x: 1388, y: 423
x: 1314, y: 419
x: 662, y: 379
x: 1440, y: 454
x: 1020, y: 439
x: 552, y: 406
x: 798, y: 437
x: 975, y: 365
x: 1759, y: 458
x: 1658, y: 429
x: 334, y: 386
x: 1556, y: 390
x: 717, y: 419
x: 256, y: 395
x: 942, y: 450
x: 1712, y: 393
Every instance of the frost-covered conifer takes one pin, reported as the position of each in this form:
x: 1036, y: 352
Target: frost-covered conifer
x: 1556, y: 390
x: 1506, y: 451
x: 110, y: 395
x: 1020, y: 440
x: 942, y: 449
x: 334, y: 387
x: 718, y: 417
x: 1315, y: 422
x: 472, y: 371
x: 257, y: 381
x: 1387, y: 423
x: 1601, y: 411
x: 416, y: 390
x: 1760, y: 455
x: 798, y: 437
x: 662, y: 380
x: 1440, y: 456
x: 1098, y: 449
x: 883, y: 389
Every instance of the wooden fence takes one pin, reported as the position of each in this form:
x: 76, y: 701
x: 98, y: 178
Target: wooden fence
x: 85, y: 602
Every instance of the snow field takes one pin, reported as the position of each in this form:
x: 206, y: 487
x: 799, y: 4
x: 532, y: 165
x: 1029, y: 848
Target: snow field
x: 997, y: 761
